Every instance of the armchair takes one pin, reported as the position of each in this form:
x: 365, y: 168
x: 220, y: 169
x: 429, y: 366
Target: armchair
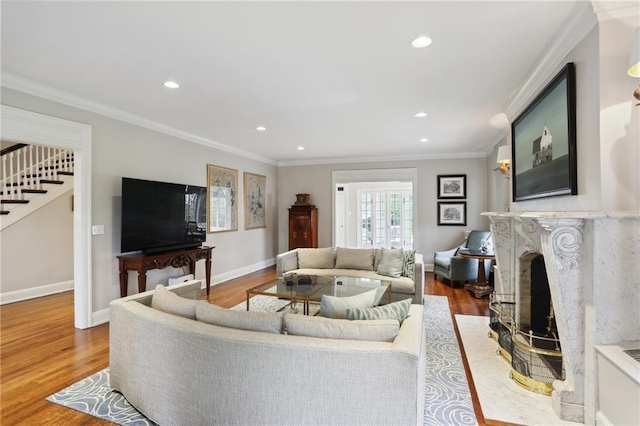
x: 456, y: 268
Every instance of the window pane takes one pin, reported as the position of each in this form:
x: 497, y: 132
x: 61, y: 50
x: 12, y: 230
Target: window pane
x: 395, y: 212
x: 408, y: 220
x: 366, y: 207
x: 380, y: 235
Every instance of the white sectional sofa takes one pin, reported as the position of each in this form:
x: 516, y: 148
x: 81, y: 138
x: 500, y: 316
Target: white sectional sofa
x: 354, y: 262
x: 184, y: 371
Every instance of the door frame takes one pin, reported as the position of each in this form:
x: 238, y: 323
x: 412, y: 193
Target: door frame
x: 31, y: 128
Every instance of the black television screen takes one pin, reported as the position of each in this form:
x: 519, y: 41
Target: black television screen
x: 160, y: 216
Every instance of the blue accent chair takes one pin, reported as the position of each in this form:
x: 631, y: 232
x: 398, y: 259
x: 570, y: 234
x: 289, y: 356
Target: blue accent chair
x: 448, y: 264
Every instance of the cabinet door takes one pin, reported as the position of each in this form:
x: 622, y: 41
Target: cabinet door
x: 299, y: 231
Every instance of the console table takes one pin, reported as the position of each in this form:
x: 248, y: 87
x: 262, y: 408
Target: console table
x: 177, y: 259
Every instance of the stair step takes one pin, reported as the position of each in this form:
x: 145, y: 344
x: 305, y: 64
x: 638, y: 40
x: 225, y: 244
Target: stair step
x: 34, y: 191
x: 14, y: 201
x: 55, y: 182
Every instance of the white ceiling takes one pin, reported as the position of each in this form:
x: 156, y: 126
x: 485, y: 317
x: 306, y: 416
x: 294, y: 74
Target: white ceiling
x: 339, y: 78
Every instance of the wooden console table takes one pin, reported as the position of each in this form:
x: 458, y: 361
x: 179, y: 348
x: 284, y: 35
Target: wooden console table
x: 177, y: 259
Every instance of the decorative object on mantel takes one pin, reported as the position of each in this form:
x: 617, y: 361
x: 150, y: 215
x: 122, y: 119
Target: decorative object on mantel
x: 452, y: 213
x: 303, y: 223
x: 504, y: 159
x: 452, y: 186
x: 222, y: 193
x: 255, y: 188
x: 543, y: 157
x: 634, y: 62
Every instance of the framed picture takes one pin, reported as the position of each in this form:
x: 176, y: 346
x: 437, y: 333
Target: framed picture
x: 255, y: 188
x: 222, y: 190
x: 544, y: 142
x: 452, y: 213
x: 452, y: 186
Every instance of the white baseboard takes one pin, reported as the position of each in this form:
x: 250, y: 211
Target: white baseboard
x: 428, y: 267
x: 34, y: 292
x: 226, y: 276
x: 100, y: 317
x: 602, y: 420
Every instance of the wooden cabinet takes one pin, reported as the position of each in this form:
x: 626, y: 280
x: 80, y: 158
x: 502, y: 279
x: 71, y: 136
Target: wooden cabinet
x: 303, y: 226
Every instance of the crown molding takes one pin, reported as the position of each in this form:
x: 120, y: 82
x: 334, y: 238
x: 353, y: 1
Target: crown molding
x: 580, y: 21
x: 32, y: 87
x: 386, y: 159
x: 618, y: 10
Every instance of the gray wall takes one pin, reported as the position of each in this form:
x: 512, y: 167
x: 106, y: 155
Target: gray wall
x: 316, y: 180
x: 38, y: 250
x: 121, y: 149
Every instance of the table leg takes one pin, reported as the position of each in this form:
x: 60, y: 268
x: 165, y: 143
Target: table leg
x: 124, y: 280
x: 248, y: 297
x: 142, y: 282
x: 207, y: 268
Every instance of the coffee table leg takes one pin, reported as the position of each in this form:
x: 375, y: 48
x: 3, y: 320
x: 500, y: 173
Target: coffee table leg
x: 248, y: 301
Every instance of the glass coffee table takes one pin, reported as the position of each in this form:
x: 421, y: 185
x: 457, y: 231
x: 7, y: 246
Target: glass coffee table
x: 308, y: 289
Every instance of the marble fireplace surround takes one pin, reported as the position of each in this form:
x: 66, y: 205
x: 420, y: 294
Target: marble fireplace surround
x: 593, y: 266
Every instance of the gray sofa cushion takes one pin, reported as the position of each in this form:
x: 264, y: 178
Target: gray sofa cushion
x: 322, y: 258
x: 268, y: 322
x: 396, y: 310
x: 391, y: 263
x: 169, y: 302
x: 361, y: 259
x: 336, y: 307
x: 328, y: 328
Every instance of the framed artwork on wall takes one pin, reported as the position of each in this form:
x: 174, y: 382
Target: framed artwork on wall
x: 255, y: 188
x: 222, y: 190
x: 544, y: 162
x: 452, y: 186
x: 452, y: 213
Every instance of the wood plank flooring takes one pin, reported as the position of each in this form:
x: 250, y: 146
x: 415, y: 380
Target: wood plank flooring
x: 41, y: 352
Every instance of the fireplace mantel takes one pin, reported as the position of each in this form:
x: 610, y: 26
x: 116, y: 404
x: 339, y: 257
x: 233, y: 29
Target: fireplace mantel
x: 591, y: 259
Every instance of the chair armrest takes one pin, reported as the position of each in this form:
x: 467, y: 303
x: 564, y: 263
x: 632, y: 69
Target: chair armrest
x: 287, y: 261
x: 446, y: 253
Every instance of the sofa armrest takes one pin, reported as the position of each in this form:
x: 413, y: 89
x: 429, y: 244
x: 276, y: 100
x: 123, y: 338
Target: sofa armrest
x: 287, y: 261
x: 418, y: 278
x: 188, y: 289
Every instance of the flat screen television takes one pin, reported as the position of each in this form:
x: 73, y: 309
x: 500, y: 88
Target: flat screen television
x: 161, y: 216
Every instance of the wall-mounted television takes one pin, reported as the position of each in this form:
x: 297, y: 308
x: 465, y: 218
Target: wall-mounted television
x: 161, y: 216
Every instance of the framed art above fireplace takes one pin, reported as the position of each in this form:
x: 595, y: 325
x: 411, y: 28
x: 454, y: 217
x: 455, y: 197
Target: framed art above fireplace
x: 544, y: 142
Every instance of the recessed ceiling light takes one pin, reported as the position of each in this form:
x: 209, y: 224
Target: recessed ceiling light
x: 421, y: 114
x: 261, y: 128
x: 420, y: 42
x: 171, y: 84
x: 301, y: 148
x: 424, y: 140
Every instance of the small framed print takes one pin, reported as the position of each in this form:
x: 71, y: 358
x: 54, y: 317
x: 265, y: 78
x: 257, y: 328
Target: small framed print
x: 452, y: 186
x: 452, y: 213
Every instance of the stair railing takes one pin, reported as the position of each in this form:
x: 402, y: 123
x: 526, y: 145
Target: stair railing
x: 26, y: 167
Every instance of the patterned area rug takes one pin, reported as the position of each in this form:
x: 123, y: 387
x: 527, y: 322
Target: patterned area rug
x: 448, y: 401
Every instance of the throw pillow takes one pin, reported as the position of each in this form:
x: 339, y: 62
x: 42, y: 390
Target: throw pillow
x: 336, y: 307
x: 327, y: 328
x: 396, y: 310
x: 409, y: 264
x: 361, y: 259
x: 169, y: 302
x: 322, y: 258
x: 267, y: 322
x: 391, y: 262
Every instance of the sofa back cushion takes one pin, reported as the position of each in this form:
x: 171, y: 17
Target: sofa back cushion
x: 169, y: 302
x: 336, y: 307
x: 391, y: 262
x: 361, y: 259
x: 267, y: 322
x: 321, y: 258
x: 396, y: 310
x: 328, y: 328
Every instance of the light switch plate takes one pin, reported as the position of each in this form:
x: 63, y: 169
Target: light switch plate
x: 97, y: 230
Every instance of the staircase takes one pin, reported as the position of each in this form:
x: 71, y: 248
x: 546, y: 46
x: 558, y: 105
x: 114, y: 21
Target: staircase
x: 32, y: 176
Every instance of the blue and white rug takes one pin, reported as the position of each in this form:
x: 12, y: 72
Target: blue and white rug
x: 448, y: 401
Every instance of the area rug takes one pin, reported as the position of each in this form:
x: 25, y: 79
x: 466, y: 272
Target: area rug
x: 448, y: 401
x: 501, y: 399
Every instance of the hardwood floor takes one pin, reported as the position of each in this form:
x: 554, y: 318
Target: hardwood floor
x: 41, y: 352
